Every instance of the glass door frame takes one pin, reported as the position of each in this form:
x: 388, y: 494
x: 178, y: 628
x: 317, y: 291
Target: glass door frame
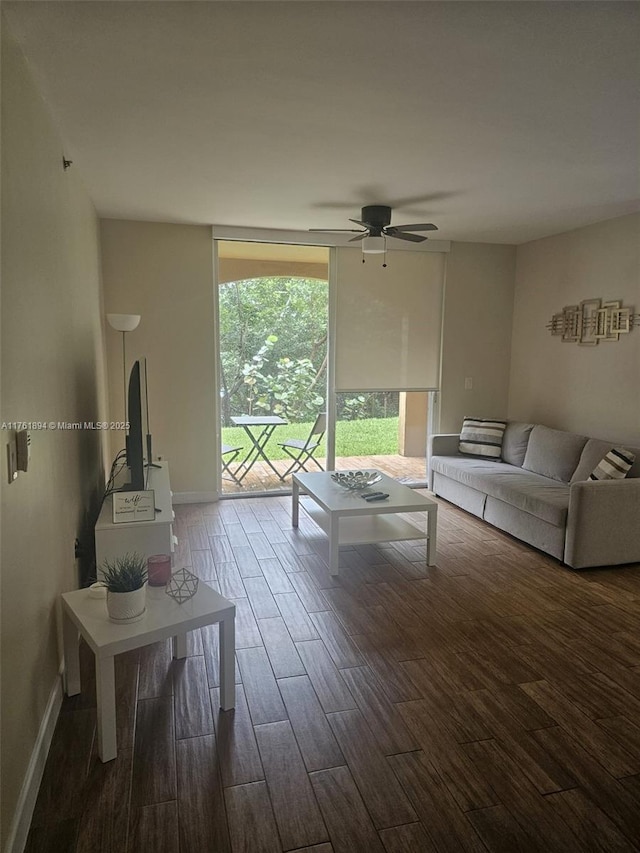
x: 301, y: 238
x: 246, y: 235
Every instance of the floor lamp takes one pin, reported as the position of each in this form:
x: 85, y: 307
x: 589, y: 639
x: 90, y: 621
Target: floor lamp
x: 124, y: 323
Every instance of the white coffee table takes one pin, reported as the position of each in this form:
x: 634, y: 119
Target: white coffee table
x: 164, y: 618
x: 348, y: 519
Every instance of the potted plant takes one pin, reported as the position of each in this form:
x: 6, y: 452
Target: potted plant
x: 126, y: 581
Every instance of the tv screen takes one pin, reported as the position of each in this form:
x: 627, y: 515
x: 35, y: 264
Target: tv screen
x: 144, y: 404
x: 135, y: 443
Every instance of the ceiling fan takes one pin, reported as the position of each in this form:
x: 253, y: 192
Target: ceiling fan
x: 376, y: 222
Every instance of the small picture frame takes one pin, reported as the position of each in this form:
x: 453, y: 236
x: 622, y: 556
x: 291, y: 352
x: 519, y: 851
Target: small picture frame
x: 604, y: 326
x: 621, y: 321
x: 572, y: 326
x: 556, y: 324
x: 134, y: 506
x: 589, y: 308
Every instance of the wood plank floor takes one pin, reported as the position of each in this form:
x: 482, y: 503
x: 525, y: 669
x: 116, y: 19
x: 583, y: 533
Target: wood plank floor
x: 489, y: 703
x: 412, y: 469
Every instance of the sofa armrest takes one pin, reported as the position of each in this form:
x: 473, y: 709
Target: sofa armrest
x: 445, y: 444
x: 603, y: 526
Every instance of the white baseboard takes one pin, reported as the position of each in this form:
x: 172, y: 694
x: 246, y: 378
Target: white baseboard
x: 194, y: 497
x: 28, y: 794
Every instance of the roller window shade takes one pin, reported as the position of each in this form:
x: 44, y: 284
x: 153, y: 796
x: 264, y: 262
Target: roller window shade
x: 388, y: 321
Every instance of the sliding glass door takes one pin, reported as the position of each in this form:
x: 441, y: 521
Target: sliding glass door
x: 387, y: 360
x: 272, y: 356
x: 385, y: 430
x: 307, y: 330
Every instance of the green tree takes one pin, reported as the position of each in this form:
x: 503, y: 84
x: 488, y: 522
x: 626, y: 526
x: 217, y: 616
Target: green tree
x: 273, y: 343
x: 287, y: 392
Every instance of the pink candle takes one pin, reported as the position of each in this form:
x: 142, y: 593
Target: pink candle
x: 159, y: 569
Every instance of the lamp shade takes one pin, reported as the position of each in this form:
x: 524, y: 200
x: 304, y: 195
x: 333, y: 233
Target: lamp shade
x: 373, y: 245
x: 124, y: 322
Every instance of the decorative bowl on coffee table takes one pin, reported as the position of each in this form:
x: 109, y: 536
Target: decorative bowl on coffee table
x: 355, y: 480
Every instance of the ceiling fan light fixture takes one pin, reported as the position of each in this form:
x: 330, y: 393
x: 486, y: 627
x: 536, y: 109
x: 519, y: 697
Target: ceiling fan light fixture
x: 373, y: 245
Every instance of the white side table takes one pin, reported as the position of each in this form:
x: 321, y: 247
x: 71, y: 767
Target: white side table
x: 164, y: 618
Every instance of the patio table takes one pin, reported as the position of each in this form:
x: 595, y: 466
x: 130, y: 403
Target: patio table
x: 259, y: 428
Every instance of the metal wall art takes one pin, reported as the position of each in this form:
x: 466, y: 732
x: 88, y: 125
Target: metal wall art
x: 182, y: 586
x: 592, y: 321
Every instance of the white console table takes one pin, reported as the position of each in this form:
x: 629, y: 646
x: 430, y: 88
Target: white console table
x: 144, y: 537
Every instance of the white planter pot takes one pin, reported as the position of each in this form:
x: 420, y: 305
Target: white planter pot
x: 127, y: 606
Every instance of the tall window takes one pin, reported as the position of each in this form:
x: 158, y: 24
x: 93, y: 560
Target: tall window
x: 273, y: 362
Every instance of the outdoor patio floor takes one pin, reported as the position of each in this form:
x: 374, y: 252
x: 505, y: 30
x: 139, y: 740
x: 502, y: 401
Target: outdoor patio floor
x: 262, y: 479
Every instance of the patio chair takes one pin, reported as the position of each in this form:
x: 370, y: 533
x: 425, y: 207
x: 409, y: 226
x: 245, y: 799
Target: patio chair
x: 301, y: 451
x: 232, y: 452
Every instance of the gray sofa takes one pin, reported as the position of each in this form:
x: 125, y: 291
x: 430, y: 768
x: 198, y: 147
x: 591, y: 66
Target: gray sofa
x: 541, y: 493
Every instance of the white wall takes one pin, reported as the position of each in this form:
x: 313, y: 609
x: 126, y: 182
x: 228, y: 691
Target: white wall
x: 594, y: 390
x: 52, y: 370
x: 165, y: 273
x: 476, y: 335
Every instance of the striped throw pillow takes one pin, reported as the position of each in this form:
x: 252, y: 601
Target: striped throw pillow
x: 482, y: 437
x: 614, y: 466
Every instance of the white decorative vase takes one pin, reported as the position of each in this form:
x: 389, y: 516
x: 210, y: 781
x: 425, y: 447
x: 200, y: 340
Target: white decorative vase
x: 127, y: 606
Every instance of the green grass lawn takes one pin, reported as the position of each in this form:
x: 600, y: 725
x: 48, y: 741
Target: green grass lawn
x: 373, y: 437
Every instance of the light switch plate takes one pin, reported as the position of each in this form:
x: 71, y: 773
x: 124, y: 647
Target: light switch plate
x: 468, y: 383
x: 12, y: 461
x: 23, y: 449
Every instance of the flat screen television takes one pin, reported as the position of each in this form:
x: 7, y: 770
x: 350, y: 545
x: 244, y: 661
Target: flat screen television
x: 135, y: 447
x: 138, y: 443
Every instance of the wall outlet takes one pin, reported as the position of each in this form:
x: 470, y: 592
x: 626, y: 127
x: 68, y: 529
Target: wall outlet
x: 468, y: 383
x: 12, y: 460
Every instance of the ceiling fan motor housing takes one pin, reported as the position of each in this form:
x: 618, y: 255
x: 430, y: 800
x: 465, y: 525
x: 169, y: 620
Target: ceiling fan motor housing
x: 376, y: 216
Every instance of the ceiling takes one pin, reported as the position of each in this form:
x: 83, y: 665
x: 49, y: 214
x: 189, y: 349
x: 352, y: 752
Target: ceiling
x: 498, y: 121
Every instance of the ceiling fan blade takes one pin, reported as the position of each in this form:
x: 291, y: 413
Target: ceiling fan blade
x: 334, y: 230
x: 423, y: 226
x: 400, y: 235
x: 359, y: 222
x: 360, y: 236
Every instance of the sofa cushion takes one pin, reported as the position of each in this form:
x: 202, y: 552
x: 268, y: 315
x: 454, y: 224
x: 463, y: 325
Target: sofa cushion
x: 466, y: 470
x: 540, y: 496
x: 482, y: 437
x: 515, y: 441
x: 553, y: 453
x: 468, y: 499
x: 594, y: 451
x: 615, y: 465
x: 524, y: 526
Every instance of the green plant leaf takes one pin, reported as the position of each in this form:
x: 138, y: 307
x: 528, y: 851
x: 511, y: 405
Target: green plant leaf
x: 125, y: 574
